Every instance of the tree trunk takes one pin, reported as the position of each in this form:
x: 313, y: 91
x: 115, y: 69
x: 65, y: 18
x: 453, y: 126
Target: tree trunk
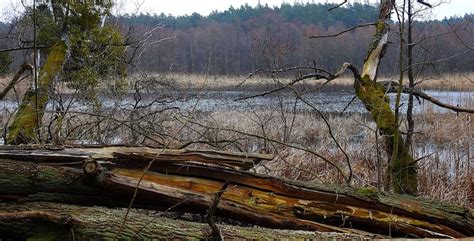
x: 52, y: 221
x: 24, y: 128
x: 411, y: 77
x: 402, y: 172
x: 250, y: 197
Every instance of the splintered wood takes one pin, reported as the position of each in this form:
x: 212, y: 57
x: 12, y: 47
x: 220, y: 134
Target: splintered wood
x: 188, y: 180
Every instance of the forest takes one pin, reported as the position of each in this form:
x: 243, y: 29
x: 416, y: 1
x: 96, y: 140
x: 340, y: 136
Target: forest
x: 299, y: 121
x: 241, y: 40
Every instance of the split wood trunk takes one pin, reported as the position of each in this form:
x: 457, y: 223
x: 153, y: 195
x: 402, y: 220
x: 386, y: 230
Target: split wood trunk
x: 188, y: 180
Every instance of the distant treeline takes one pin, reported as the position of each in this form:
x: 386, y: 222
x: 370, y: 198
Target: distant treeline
x: 306, y: 14
x: 243, y: 39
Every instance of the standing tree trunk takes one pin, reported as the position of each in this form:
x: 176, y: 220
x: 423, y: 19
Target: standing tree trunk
x: 402, y: 173
x: 31, y: 111
x: 411, y: 78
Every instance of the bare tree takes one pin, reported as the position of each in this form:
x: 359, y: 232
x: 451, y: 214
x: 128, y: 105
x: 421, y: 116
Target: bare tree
x: 402, y: 170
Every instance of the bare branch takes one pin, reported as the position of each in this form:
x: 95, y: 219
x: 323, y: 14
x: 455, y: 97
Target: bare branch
x: 215, y: 232
x: 348, y: 104
x: 451, y: 30
x: 333, y: 137
x: 275, y: 71
x: 439, y: 60
x: 424, y: 3
x: 15, y: 79
x: 329, y: 77
x: 294, y: 146
x: 344, y: 31
x: 339, y: 5
x: 462, y: 40
x: 309, y: 76
x: 392, y: 87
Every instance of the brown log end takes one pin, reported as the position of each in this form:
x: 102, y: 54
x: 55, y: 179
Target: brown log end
x: 90, y: 167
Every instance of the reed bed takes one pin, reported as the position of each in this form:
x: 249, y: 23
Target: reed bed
x: 444, y: 142
x: 444, y: 145
x: 448, y: 81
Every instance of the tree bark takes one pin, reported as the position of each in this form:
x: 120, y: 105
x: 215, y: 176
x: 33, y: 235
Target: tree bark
x: 131, y: 156
x: 250, y: 198
x: 52, y: 221
x: 402, y: 172
x: 28, y: 117
x: 411, y: 77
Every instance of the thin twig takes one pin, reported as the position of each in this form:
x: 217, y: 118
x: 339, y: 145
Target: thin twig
x: 348, y: 179
x: 343, y: 31
x: 146, y: 170
x: 294, y: 146
x: 348, y: 104
x: 159, y: 215
x: 329, y: 77
x: 215, y: 232
x: 338, y: 5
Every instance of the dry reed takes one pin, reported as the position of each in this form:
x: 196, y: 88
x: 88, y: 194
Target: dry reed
x: 444, y: 142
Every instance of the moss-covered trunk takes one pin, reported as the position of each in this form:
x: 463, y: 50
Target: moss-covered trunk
x: 402, y: 172
x: 24, y: 127
x: 52, y: 221
x: 251, y: 198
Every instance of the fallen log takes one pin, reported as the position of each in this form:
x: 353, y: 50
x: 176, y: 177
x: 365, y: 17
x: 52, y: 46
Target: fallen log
x: 129, y: 156
x: 20, y: 180
x: 52, y: 221
x: 253, y: 198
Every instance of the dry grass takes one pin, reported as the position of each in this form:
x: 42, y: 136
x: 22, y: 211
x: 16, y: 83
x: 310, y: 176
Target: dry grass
x: 445, y: 144
x: 457, y: 81
x: 444, y: 141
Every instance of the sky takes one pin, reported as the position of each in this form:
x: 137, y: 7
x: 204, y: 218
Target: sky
x: 204, y: 7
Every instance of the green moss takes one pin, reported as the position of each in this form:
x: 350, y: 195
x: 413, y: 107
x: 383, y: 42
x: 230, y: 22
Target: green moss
x: 53, y: 64
x: 380, y: 26
x: 402, y: 168
x: 23, y: 128
x: 47, y: 236
x: 367, y: 192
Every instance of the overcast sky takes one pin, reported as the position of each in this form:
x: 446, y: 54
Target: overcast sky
x: 204, y: 7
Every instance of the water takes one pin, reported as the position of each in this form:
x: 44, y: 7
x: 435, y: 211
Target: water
x: 214, y: 101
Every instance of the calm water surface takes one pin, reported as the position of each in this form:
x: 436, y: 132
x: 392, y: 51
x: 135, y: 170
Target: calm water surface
x: 211, y: 101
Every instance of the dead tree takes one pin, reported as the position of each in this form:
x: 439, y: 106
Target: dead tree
x: 402, y: 170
